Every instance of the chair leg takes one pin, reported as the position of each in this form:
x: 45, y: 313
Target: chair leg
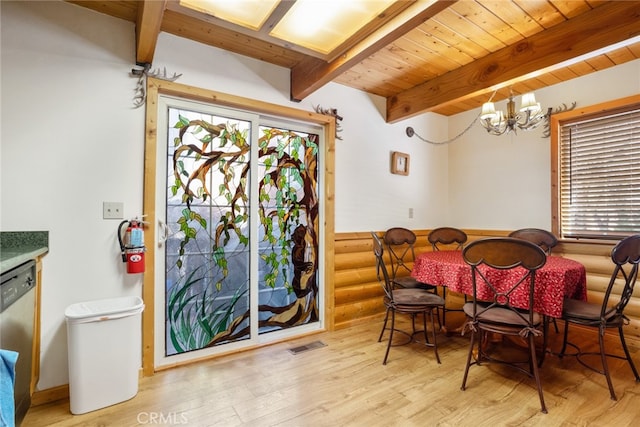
x: 424, y: 328
x: 413, y: 324
x: 626, y: 353
x: 466, y: 369
x: 384, y: 325
x: 605, y: 365
x: 393, y: 325
x: 444, y: 308
x: 536, y: 373
x: 545, y: 332
x: 564, y: 339
x: 433, y: 331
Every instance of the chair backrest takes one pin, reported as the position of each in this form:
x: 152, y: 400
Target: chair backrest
x: 504, y: 253
x: 400, y: 244
x: 543, y: 238
x: 447, y: 236
x: 625, y: 256
x: 381, y: 269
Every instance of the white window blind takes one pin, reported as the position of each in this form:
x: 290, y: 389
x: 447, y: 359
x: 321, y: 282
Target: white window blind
x: 600, y: 175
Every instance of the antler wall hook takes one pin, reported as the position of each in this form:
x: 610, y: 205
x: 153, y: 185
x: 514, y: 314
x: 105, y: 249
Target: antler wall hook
x: 140, y: 96
x: 547, y: 120
x: 333, y: 112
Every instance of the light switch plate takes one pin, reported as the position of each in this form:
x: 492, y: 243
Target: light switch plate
x: 112, y: 210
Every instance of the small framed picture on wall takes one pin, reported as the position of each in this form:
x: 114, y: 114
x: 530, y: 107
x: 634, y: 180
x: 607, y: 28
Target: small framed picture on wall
x: 399, y: 163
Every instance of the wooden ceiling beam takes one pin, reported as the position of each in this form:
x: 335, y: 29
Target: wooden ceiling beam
x: 281, y: 9
x: 148, y: 23
x: 313, y: 73
x: 605, y: 25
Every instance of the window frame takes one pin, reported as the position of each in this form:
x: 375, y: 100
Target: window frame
x: 556, y: 121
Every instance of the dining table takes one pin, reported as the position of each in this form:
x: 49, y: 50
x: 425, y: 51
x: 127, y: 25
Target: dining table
x: 558, y: 279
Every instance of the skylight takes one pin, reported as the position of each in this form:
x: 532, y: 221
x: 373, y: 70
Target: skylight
x: 319, y: 25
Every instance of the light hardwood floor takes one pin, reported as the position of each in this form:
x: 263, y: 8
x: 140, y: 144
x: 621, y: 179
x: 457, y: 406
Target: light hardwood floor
x: 345, y: 384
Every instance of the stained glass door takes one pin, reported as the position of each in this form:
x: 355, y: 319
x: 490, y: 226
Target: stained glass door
x: 240, y: 260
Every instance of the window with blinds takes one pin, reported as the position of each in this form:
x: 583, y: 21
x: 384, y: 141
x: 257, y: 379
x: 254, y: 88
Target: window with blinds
x: 599, y: 175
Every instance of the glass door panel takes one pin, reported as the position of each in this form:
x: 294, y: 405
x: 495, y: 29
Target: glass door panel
x: 240, y: 201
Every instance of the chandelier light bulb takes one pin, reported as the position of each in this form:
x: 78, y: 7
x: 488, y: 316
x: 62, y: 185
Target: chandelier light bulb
x: 488, y: 111
x: 528, y: 117
x: 529, y: 102
x: 498, y: 118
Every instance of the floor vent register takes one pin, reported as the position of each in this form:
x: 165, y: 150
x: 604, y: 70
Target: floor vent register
x: 311, y: 346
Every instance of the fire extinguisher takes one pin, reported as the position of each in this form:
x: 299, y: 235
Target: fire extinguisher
x: 132, y: 248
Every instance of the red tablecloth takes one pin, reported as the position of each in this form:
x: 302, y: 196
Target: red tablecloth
x: 557, y: 279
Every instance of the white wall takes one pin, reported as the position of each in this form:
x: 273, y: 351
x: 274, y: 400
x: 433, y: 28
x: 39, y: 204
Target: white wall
x: 504, y: 182
x: 71, y: 139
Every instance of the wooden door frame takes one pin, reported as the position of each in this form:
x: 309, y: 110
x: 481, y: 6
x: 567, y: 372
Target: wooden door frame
x: 157, y: 87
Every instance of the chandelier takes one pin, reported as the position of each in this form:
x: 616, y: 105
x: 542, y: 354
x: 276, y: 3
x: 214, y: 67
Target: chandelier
x: 529, y: 117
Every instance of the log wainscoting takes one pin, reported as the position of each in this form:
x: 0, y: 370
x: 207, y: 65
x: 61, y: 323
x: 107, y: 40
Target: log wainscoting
x: 358, y: 295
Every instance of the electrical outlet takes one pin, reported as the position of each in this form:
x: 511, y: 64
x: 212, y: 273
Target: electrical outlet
x: 410, y: 212
x: 112, y: 210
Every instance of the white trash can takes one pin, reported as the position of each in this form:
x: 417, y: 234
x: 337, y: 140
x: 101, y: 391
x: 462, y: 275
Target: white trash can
x: 104, y: 343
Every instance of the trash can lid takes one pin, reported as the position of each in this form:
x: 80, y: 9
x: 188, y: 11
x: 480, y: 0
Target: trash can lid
x: 104, y: 307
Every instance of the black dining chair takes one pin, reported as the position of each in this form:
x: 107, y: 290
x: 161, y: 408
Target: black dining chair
x: 410, y: 301
x: 543, y: 238
x: 451, y: 238
x: 400, y: 243
x: 499, y: 316
x: 608, y: 314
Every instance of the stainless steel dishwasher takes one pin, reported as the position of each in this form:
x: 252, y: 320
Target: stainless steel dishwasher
x: 17, y: 313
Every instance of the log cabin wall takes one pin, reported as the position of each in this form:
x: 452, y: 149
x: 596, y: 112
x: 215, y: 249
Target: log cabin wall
x: 358, y: 295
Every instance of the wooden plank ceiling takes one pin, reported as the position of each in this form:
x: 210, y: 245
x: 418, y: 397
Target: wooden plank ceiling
x: 440, y: 56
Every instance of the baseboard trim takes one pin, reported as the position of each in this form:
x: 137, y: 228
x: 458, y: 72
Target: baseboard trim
x: 54, y: 394
x: 49, y: 395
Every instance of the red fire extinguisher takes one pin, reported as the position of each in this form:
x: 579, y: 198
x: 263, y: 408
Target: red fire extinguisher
x: 132, y: 248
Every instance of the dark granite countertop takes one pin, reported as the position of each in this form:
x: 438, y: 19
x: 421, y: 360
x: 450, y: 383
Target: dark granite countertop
x: 17, y: 247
